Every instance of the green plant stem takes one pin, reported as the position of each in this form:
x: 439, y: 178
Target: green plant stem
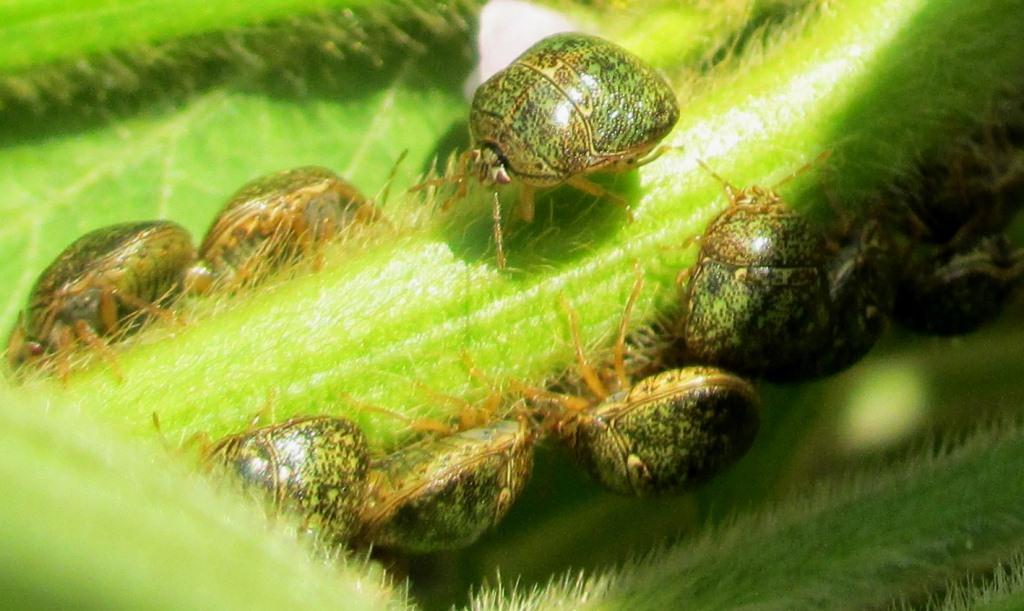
x: 878, y: 83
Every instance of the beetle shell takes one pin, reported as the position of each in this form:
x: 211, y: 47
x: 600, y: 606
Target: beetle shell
x: 972, y: 191
x: 668, y: 433
x: 315, y: 467
x: 862, y: 290
x: 444, y: 493
x: 571, y: 104
x: 131, y: 263
x: 275, y: 219
x: 950, y: 294
x: 758, y: 299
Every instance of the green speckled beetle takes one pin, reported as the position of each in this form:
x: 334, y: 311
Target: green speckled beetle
x: 98, y: 288
x: 315, y: 467
x: 664, y: 435
x: 757, y: 301
x: 444, y: 493
x: 570, y: 105
x: 861, y: 293
x: 275, y: 219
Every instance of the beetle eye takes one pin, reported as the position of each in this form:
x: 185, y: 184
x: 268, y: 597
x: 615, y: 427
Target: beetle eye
x: 500, y: 176
x: 34, y: 348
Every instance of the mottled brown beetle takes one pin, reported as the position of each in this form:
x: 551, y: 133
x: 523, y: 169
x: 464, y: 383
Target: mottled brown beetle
x: 273, y: 220
x: 444, y: 493
x: 315, y: 467
x: 104, y: 284
x: 664, y: 435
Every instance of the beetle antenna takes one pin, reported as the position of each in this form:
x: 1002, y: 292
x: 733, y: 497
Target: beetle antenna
x: 386, y: 191
x: 460, y: 174
x: 499, y: 242
x: 804, y: 168
x: 620, y: 343
x: 587, y: 372
x: 730, y: 191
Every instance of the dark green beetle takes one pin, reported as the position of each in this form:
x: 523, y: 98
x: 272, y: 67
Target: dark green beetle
x: 945, y: 292
x: 972, y: 189
x: 570, y: 105
x: 444, y: 493
x: 771, y: 295
x: 862, y: 285
x: 275, y: 219
x: 103, y: 285
x: 757, y: 300
x: 315, y: 467
x: 664, y: 435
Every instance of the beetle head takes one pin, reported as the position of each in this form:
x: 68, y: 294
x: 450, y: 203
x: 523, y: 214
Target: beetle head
x: 20, y: 348
x: 489, y: 165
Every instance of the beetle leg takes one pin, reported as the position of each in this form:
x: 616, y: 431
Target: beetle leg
x: 469, y: 414
x: 64, y: 341
x: 262, y: 259
x: 433, y: 182
x: 683, y: 277
x: 587, y: 371
x: 654, y: 154
x: 16, y: 343
x: 526, y: 202
x: 267, y: 413
x: 460, y: 193
x: 108, y: 311
x: 428, y: 425
x: 367, y: 213
x: 88, y: 335
x: 324, y: 232
x: 592, y: 188
x: 568, y: 402
x: 141, y: 304
x: 620, y: 342
x: 200, y: 438
x: 460, y: 177
x: 494, y: 399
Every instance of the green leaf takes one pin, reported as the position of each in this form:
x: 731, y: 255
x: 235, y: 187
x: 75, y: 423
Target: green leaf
x: 34, y: 33
x: 92, y: 522
x: 859, y: 543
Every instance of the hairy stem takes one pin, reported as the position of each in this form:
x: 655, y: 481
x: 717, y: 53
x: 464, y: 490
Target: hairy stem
x: 877, y: 83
